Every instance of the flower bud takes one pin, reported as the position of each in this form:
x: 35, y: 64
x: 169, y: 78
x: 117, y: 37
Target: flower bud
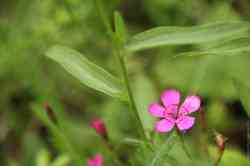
x: 99, y: 127
x: 97, y: 160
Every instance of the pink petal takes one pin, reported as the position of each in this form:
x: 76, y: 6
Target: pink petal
x: 99, y: 160
x: 156, y: 110
x: 185, y: 122
x: 91, y: 162
x: 164, y: 125
x: 96, y: 161
x: 171, y: 111
x: 191, y: 104
x: 170, y: 97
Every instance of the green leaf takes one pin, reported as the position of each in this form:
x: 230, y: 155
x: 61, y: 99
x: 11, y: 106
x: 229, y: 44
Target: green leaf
x: 244, y: 94
x: 87, y: 72
x: 186, y: 35
x: 61, y: 161
x: 43, y: 158
x: 228, y: 48
x: 104, y: 16
x: 120, y: 28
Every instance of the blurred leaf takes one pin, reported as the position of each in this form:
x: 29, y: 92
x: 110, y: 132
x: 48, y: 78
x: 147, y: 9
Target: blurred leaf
x: 60, y: 140
x: 101, y: 8
x: 210, y: 76
x: 231, y: 157
x: 87, y: 72
x: 145, y: 94
x: 186, y: 35
x: 43, y: 158
x: 217, y: 116
x: 61, y: 161
x: 244, y: 94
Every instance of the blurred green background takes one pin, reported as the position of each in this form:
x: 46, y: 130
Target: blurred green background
x: 28, y: 79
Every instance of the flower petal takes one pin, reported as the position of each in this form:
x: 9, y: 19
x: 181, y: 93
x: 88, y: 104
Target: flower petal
x: 191, y: 104
x: 96, y: 161
x: 156, y: 110
x: 185, y: 122
x: 170, y: 97
x: 164, y: 125
x: 99, y: 160
x: 91, y: 162
x: 171, y: 111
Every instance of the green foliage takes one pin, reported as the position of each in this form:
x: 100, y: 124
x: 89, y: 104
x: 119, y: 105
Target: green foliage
x: 121, y: 31
x: 231, y: 157
x: 87, y: 72
x: 60, y: 139
x: 202, y: 48
x: 190, y: 35
x: 145, y: 93
x: 232, y: 47
x: 43, y: 159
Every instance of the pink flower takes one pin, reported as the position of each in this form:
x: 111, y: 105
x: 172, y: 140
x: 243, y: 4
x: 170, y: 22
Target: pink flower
x: 97, y: 160
x: 172, y: 115
x: 99, y: 127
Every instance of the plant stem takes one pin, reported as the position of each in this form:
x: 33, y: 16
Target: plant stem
x: 129, y: 90
x: 119, y: 52
x: 220, y: 140
x: 218, y: 159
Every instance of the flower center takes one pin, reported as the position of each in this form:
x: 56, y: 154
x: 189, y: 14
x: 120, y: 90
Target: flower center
x: 171, y: 112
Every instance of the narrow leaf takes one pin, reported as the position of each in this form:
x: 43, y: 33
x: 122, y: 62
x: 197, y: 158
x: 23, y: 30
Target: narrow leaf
x: 120, y: 28
x: 87, y: 72
x: 228, y: 48
x: 104, y: 16
x: 186, y: 35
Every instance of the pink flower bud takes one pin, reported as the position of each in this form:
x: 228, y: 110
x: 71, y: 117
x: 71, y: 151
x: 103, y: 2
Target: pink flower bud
x: 99, y: 127
x: 97, y: 160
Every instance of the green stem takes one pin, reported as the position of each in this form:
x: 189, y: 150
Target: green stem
x: 118, y: 52
x: 130, y: 94
x: 217, y: 161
